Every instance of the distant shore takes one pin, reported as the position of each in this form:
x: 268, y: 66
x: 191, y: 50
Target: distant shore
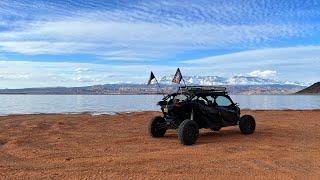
x: 130, y: 112
x: 285, y: 145
x: 115, y: 94
x: 136, y: 89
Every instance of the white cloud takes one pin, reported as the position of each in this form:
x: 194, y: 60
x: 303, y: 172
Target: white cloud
x: 292, y: 63
x: 265, y: 56
x: 20, y: 74
x: 80, y: 70
x: 43, y: 47
x: 263, y: 74
x: 14, y: 76
x: 140, y: 40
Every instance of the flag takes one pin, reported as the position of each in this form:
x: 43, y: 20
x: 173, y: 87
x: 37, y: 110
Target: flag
x: 177, y: 77
x: 151, y: 78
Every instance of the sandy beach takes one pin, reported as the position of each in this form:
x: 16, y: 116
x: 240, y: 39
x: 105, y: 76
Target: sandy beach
x: 285, y: 145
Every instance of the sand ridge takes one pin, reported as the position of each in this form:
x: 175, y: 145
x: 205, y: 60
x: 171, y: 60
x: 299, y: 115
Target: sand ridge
x: 78, y: 146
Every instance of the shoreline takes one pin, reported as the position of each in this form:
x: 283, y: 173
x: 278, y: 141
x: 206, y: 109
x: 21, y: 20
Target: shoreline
x: 290, y: 94
x: 128, y: 112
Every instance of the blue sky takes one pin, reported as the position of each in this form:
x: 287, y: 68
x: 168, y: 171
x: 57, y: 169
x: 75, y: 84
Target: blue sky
x: 86, y: 42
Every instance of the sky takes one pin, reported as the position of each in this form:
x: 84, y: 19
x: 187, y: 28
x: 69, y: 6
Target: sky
x: 85, y: 42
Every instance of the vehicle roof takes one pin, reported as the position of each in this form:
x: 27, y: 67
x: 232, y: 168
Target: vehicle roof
x: 211, y: 93
x: 209, y: 90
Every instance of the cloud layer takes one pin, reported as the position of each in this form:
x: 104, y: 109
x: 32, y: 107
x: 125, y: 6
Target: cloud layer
x: 149, y: 30
x: 19, y: 74
x: 264, y: 38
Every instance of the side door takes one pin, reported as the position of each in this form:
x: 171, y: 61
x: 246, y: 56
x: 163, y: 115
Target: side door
x: 226, y: 110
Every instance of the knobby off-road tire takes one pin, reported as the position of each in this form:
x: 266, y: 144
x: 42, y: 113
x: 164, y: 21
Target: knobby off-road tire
x: 188, y: 132
x: 247, y: 124
x: 156, y: 128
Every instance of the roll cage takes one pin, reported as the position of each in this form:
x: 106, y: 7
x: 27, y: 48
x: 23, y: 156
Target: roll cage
x: 200, y: 91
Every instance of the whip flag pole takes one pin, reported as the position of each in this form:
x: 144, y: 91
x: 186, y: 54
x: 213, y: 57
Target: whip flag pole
x: 178, y: 77
x: 152, y: 76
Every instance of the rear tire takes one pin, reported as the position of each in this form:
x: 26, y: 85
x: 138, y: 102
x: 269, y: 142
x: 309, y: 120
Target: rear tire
x: 188, y: 132
x: 247, y: 124
x: 156, y: 127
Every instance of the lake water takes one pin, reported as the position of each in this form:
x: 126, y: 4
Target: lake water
x: 30, y: 104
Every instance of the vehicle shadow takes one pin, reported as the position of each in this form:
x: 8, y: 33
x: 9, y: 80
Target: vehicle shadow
x: 217, y: 137
x: 209, y: 137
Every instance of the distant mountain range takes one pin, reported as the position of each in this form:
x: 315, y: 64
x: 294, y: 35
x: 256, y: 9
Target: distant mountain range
x: 234, y: 80
x: 313, y: 89
x: 235, y: 85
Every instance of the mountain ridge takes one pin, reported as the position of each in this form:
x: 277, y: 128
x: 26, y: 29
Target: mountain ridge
x: 234, y: 84
x: 233, y: 80
x: 111, y: 89
x: 313, y: 89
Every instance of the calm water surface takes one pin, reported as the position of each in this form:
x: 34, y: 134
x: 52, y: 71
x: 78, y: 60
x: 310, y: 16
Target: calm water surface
x: 29, y: 104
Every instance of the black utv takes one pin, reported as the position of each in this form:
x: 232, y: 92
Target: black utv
x: 196, y: 107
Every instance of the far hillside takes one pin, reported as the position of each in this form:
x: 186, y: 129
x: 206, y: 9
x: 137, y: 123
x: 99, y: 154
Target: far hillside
x: 313, y: 89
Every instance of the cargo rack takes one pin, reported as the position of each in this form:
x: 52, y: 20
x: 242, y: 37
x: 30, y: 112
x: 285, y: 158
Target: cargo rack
x: 220, y: 89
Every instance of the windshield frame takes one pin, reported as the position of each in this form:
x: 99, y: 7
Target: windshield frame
x: 173, y: 95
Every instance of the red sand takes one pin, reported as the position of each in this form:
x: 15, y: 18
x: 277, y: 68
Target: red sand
x: 285, y: 145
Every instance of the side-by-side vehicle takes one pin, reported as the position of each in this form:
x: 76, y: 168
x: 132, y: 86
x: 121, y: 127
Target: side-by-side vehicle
x: 194, y: 107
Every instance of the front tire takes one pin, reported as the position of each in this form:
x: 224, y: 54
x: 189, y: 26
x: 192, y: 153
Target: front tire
x: 247, y: 124
x: 157, y: 127
x: 188, y: 132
